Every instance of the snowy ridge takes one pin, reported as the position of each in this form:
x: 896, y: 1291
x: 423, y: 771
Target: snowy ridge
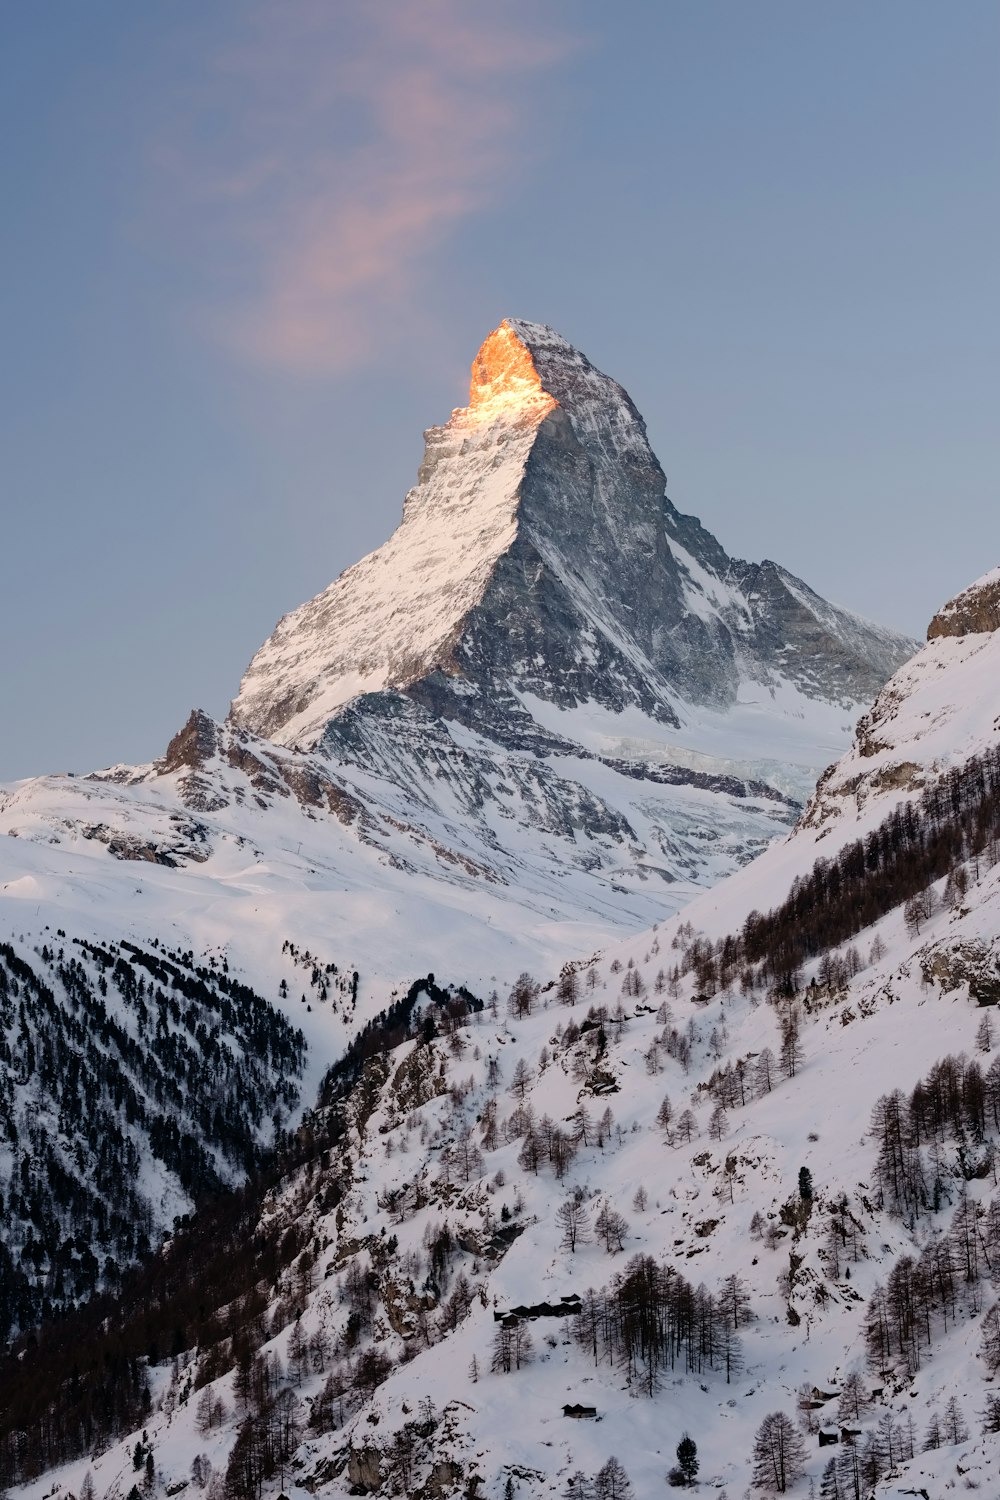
x: 568, y: 712
x: 393, y: 616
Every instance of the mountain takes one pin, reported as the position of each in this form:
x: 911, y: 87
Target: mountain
x: 539, y: 556
x: 732, y: 1179
x: 545, y: 629
x: 548, y: 711
x: 550, y: 705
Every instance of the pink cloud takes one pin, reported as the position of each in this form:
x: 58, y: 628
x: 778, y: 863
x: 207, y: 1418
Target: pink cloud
x: 356, y: 139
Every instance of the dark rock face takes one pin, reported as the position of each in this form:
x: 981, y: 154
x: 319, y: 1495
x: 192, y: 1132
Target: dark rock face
x: 609, y: 594
x: 975, y: 611
x: 825, y: 651
x: 194, y: 745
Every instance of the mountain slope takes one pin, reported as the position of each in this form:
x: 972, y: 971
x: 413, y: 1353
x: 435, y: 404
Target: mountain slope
x: 496, y: 1217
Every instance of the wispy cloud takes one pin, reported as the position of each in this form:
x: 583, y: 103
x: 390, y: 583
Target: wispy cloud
x: 342, y: 145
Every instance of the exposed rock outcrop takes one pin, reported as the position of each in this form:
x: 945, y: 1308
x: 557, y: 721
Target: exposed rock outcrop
x: 975, y: 611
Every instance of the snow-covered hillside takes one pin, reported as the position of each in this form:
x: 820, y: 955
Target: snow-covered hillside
x: 704, y: 1181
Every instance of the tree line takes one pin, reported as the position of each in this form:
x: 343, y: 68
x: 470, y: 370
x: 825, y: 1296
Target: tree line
x: 954, y: 823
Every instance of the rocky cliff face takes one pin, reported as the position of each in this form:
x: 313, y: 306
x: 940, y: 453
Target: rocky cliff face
x: 539, y: 554
x: 975, y: 611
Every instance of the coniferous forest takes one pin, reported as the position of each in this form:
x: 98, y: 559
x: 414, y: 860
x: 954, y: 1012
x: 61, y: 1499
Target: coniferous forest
x: 129, y: 1080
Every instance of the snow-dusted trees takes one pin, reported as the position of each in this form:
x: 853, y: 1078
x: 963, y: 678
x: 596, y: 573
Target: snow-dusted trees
x: 955, y: 819
x: 989, y: 1348
x: 854, y: 1398
x: 568, y: 988
x: 523, y: 995
x: 522, y: 1079
x: 512, y: 1346
x: 764, y: 1072
x: 991, y: 1416
x: 611, y: 1481
x: 210, y: 1411
x: 687, y: 1459
x: 954, y: 1426
x: 610, y: 1228
x: 778, y: 1453
x: 792, y: 1055
x: 919, y: 909
x: 899, y: 1169
x: 734, y: 1301
x: 571, y: 1218
x: 651, y: 1319
x: 984, y: 1034
x: 265, y: 1441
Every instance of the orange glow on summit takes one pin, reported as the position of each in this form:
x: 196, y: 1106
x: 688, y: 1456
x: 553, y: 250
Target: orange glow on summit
x: 505, y: 381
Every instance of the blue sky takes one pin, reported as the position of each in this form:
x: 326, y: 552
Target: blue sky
x: 250, y: 249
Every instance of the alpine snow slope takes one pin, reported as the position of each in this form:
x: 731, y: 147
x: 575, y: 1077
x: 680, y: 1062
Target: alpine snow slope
x: 734, y: 1177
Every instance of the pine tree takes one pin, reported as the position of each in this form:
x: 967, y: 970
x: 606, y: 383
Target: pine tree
x: 830, y: 1487
x: 991, y: 1416
x: 933, y: 1438
x: 571, y: 1218
x: 984, y: 1036
x: 687, y: 1458
x: 955, y: 1428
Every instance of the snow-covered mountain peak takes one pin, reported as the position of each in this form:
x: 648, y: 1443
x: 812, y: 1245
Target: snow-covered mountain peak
x: 505, y: 381
x: 397, y: 616
x: 539, y: 554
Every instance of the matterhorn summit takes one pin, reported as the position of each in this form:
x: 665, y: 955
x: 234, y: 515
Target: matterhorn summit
x: 547, y: 667
x: 539, y: 555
